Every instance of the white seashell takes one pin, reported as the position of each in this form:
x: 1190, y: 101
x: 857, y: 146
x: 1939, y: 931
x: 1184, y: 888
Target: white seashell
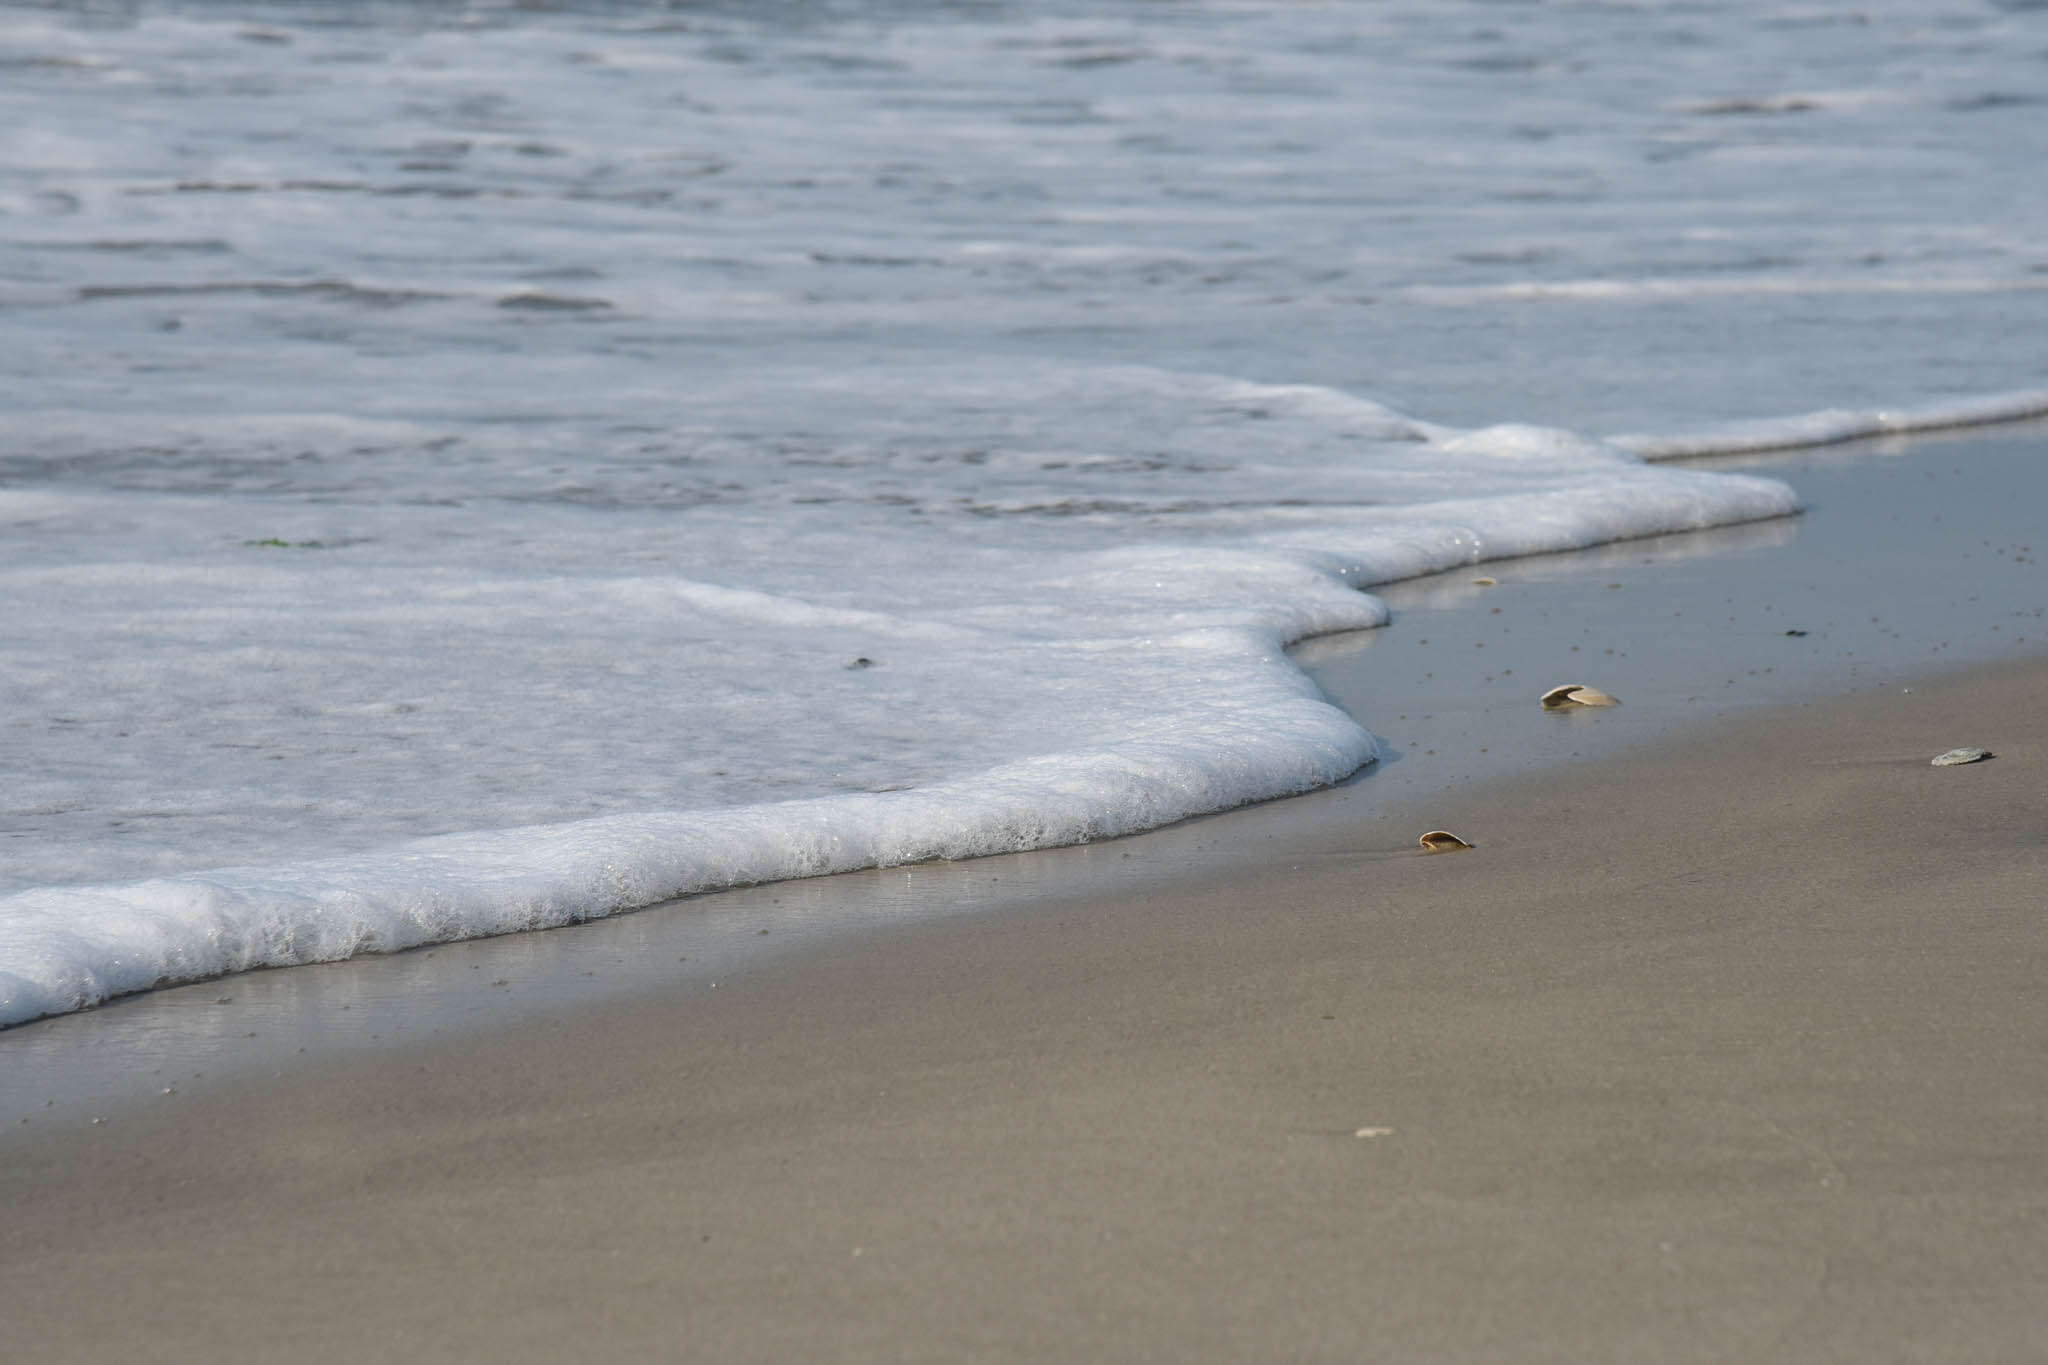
x: 1442, y: 841
x: 1965, y: 755
x: 1575, y: 694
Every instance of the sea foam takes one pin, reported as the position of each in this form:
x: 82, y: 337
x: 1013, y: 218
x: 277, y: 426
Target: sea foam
x: 1836, y: 425
x: 1165, y: 660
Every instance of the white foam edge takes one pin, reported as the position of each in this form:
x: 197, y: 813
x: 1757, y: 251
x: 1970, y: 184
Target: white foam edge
x: 69, y: 948
x: 99, y: 942
x: 1832, y: 426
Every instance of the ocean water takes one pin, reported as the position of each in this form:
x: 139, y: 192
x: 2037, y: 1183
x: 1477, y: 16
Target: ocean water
x: 471, y: 467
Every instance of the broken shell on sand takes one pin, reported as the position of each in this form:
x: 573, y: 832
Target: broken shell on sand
x: 1965, y: 755
x: 1575, y: 694
x: 1442, y: 841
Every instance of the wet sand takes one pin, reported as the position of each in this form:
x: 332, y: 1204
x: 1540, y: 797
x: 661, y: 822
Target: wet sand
x: 1901, y: 564
x: 1731, y: 1047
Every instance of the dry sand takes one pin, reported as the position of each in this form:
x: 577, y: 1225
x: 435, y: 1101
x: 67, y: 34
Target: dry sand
x: 1734, y: 1048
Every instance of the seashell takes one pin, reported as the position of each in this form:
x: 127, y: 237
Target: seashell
x: 1442, y: 841
x: 1958, y: 756
x: 1575, y: 694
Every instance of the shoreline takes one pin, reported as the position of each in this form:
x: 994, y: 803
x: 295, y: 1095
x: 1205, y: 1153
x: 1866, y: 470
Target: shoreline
x: 1720, y: 1047
x: 1894, y: 570
x: 1439, y: 735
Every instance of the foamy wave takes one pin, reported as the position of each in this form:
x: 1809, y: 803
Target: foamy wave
x: 68, y: 948
x: 1663, y: 288
x: 1831, y: 426
x: 1231, y: 721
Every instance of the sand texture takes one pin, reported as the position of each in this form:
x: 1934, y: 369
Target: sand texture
x: 1735, y: 1048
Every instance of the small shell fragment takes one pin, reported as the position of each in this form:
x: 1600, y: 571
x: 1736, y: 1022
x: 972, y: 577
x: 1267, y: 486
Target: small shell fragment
x: 1958, y: 756
x: 1442, y: 841
x: 1374, y: 1132
x: 1575, y: 694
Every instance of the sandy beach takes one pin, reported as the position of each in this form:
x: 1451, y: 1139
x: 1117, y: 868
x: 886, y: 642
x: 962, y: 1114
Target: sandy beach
x: 755, y: 683
x: 1729, y: 1048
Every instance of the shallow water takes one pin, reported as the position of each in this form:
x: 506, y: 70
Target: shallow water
x: 1899, y: 567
